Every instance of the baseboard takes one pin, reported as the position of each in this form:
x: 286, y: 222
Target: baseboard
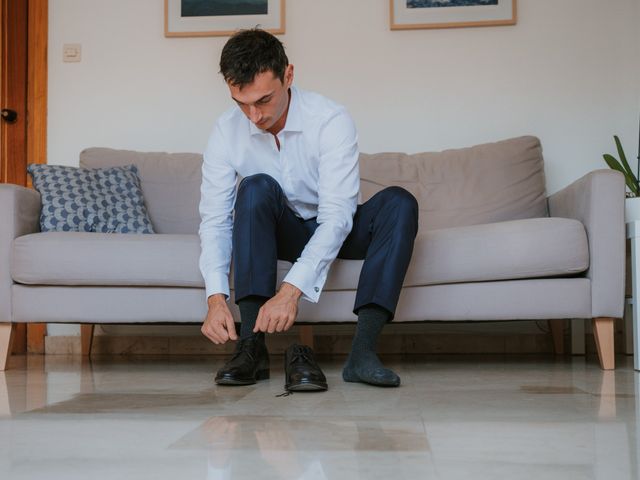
x: 62, y: 345
x: 324, y: 344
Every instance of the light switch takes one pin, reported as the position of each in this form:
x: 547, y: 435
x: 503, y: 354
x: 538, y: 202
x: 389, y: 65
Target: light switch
x: 71, y: 52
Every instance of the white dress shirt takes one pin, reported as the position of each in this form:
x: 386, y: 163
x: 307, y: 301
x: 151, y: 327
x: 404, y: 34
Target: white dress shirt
x: 317, y: 168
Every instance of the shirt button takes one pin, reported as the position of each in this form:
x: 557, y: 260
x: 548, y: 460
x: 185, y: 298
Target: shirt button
x: 316, y: 289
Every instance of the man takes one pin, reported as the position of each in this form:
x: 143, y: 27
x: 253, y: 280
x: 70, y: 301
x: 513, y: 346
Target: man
x: 297, y: 155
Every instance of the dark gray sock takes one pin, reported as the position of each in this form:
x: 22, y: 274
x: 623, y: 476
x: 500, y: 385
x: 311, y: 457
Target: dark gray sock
x: 363, y: 365
x: 249, y: 308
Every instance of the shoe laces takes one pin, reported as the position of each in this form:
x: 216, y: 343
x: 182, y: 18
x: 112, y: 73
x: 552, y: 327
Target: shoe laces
x: 301, y: 352
x: 245, y: 346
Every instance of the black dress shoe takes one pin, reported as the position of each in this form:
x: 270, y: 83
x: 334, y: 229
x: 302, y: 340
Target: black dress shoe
x: 249, y: 363
x: 301, y: 370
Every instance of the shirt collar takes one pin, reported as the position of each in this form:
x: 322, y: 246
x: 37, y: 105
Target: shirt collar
x: 293, y: 123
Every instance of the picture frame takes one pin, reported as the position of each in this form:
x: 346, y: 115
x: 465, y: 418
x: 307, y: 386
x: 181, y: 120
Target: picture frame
x: 219, y: 18
x: 418, y: 14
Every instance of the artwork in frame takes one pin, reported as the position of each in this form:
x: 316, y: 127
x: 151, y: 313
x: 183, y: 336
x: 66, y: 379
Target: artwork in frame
x: 205, y: 18
x: 413, y: 14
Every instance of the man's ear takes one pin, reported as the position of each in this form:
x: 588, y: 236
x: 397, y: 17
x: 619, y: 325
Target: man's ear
x: 288, y: 75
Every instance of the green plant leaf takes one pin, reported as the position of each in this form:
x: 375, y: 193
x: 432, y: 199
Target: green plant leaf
x: 613, y: 163
x: 623, y: 158
x: 629, y: 179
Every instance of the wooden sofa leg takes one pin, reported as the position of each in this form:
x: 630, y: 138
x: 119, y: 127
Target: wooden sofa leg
x: 86, y: 338
x: 557, y: 332
x: 306, y: 335
x: 7, y: 331
x: 603, y: 333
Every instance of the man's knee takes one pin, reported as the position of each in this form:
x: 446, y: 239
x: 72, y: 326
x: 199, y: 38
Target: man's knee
x: 401, y: 200
x: 258, y: 182
x: 257, y: 187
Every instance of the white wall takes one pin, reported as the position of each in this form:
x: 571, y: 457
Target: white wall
x: 568, y: 72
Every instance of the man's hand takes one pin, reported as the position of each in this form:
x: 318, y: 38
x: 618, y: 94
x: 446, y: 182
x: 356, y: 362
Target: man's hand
x: 279, y: 313
x: 218, y: 326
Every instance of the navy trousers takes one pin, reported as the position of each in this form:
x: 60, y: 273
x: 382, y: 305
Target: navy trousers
x: 266, y: 229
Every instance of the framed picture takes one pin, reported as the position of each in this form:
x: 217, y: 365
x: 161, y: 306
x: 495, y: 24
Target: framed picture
x: 205, y: 18
x: 412, y: 14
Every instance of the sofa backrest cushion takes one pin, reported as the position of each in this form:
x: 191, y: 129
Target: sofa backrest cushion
x: 483, y: 184
x: 487, y: 183
x: 170, y: 184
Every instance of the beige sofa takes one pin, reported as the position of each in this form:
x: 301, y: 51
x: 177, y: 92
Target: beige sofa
x: 491, y: 246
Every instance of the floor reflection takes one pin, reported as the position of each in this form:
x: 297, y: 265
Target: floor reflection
x: 565, y: 419
x: 301, y: 447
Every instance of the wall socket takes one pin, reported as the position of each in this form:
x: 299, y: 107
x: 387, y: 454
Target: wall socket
x: 71, y: 52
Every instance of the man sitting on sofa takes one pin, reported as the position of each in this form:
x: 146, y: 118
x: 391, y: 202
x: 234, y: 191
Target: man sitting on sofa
x: 297, y: 153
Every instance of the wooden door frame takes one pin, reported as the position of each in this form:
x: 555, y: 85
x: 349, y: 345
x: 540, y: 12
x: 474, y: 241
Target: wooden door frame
x: 36, y: 115
x: 37, y: 86
x: 30, y: 337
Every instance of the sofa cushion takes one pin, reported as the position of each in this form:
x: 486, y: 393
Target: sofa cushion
x: 69, y: 258
x: 170, y: 183
x: 532, y: 248
x: 107, y: 200
x: 487, y: 183
x: 518, y: 249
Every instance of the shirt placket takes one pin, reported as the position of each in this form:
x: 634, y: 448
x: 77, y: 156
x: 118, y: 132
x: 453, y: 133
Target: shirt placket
x: 286, y: 169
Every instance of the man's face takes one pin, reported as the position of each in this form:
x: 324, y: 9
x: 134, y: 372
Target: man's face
x: 265, y: 100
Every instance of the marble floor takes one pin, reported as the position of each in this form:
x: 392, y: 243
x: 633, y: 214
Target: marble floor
x: 462, y: 417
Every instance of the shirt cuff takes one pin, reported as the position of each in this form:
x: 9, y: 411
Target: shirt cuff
x: 306, y: 279
x: 217, y: 283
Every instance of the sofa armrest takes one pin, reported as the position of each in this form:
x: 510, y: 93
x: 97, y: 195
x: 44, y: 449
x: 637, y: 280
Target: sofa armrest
x: 19, y: 215
x: 597, y: 200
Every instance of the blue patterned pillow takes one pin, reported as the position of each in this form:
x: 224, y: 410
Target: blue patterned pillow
x: 104, y: 200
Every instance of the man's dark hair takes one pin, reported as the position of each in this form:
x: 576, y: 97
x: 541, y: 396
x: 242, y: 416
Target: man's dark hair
x: 249, y: 53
